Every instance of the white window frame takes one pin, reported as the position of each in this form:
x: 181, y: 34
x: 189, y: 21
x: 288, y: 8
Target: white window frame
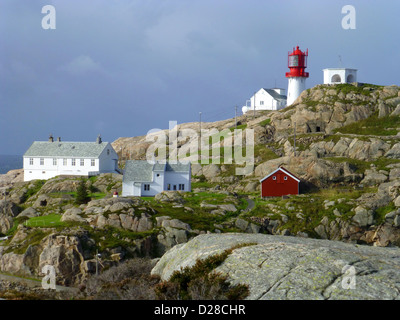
x: 82, y: 162
x: 42, y: 161
x: 92, y: 162
x: 54, y: 161
x: 65, y: 162
x: 73, y: 162
x: 274, y: 178
x: 31, y: 161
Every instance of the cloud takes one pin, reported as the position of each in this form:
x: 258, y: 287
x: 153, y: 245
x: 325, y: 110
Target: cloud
x: 81, y: 65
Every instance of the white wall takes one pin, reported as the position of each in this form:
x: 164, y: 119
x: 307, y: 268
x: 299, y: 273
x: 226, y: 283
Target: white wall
x: 107, y: 163
x: 159, y: 184
x: 343, y: 73
x: 269, y: 103
x: 49, y: 170
x: 295, y: 87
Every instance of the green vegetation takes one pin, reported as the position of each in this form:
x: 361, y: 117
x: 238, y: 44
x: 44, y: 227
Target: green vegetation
x: 381, y: 212
x: 265, y: 122
x: 51, y: 220
x: 82, y: 196
x: 32, y: 239
x: 373, y: 125
x: 202, y: 278
x: 37, y: 185
x: 361, y: 165
x: 346, y: 88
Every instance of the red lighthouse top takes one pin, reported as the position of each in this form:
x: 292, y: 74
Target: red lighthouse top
x: 297, y: 62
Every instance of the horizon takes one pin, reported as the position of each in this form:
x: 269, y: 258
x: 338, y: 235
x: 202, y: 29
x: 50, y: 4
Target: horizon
x: 121, y: 69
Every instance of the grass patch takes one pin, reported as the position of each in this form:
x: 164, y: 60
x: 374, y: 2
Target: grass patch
x: 373, y: 125
x: 33, y: 238
x: 265, y: 122
x: 381, y: 212
x: 49, y: 221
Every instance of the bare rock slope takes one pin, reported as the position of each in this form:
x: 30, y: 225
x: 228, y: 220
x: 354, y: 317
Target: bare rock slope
x: 278, y: 267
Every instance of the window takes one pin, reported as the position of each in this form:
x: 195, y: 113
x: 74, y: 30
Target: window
x: 54, y: 161
x: 73, y: 162
x: 274, y: 178
x: 41, y: 161
x: 285, y: 178
x: 181, y: 186
x: 261, y: 103
x: 82, y: 163
x: 168, y: 186
x: 31, y: 161
x: 64, y: 162
x: 174, y: 186
x: 93, y: 162
x: 146, y: 187
x: 158, y: 174
x: 108, y: 152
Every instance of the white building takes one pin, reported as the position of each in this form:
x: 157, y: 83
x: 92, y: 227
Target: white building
x: 266, y: 99
x: 48, y: 159
x: 142, y: 178
x: 339, y: 75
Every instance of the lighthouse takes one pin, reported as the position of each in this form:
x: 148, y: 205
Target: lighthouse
x: 297, y: 62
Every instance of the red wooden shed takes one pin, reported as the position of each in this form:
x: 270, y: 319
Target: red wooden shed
x: 279, y: 183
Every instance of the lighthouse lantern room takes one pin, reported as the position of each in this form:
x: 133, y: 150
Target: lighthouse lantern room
x: 297, y: 62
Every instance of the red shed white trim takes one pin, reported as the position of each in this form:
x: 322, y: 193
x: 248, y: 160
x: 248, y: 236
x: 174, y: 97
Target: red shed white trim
x: 278, y: 183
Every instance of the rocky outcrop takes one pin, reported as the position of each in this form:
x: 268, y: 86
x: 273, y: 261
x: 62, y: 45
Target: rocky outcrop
x: 11, y: 177
x: 325, y: 108
x: 8, y: 211
x: 276, y: 267
x: 313, y: 170
x: 62, y: 251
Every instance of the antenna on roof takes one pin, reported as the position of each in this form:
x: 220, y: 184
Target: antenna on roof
x: 340, y: 61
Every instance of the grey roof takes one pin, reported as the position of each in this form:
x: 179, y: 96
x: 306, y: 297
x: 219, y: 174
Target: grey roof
x: 65, y: 149
x: 142, y: 170
x: 275, y: 94
x: 138, y: 171
x: 178, y: 167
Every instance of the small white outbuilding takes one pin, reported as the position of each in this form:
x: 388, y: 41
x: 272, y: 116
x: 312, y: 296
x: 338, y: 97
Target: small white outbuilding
x: 145, y: 178
x: 266, y: 99
x: 339, y: 75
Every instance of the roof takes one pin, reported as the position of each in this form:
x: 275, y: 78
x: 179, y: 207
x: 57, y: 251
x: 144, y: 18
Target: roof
x: 66, y: 149
x: 142, y: 170
x: 138, y: 171
x: 275, y: 94
x: 285, y: 171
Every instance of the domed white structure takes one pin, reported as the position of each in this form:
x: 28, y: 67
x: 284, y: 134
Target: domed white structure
x: 339, y: 75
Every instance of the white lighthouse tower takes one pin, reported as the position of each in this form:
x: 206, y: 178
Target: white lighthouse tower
x: 297, y: 62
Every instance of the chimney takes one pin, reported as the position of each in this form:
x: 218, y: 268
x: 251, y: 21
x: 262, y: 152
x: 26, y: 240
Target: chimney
x: 51, y: 138
x: 59, y: 139
x: 98, y: 139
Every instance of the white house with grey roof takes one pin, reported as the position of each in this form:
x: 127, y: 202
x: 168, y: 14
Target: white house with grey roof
x: 266, y: 99
x: 48, y: 159
x: 143, y: 178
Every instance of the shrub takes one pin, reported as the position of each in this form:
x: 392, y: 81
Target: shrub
x: 82, y: 193
x: 200, y: 282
